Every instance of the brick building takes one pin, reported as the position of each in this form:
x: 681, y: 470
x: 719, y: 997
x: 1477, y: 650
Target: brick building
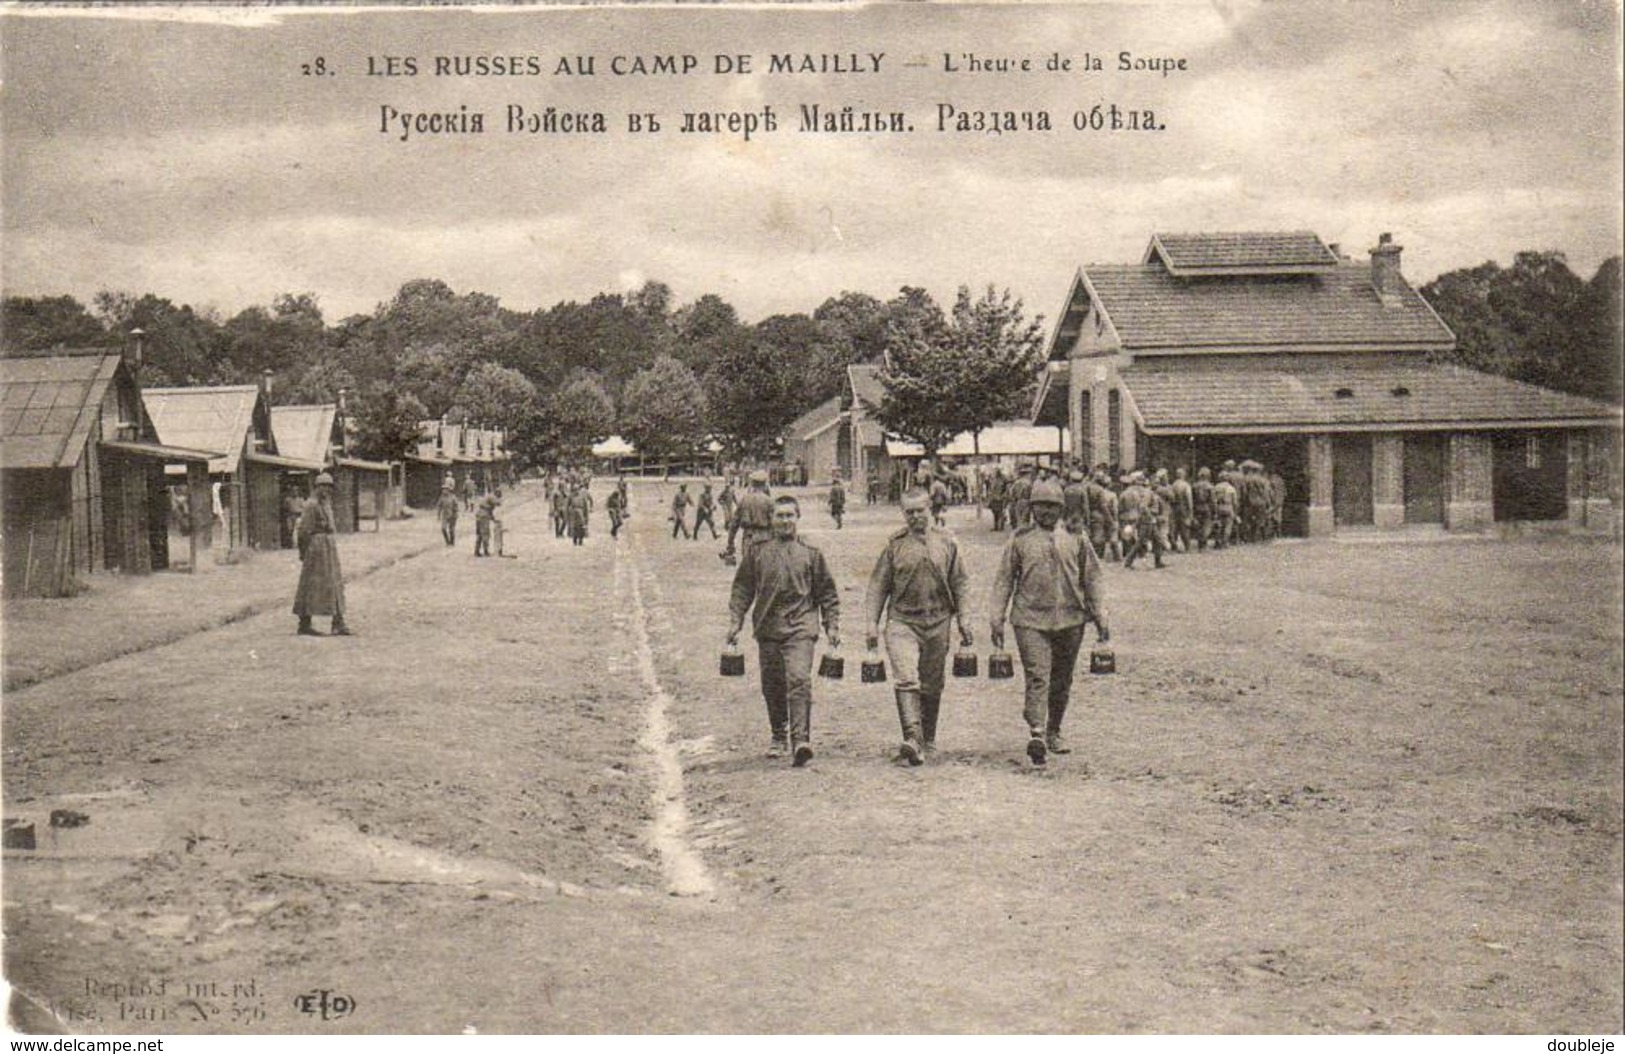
x: 1277, y: 347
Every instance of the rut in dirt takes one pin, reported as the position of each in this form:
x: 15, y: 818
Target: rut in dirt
x: 682, y: 867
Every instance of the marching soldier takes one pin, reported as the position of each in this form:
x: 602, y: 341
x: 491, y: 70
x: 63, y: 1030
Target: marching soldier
x: 485, y: 511
x: 1049, y: 588
x: 998, y: 496
x: 1182, y: 511
x: 1103, y: 513
x: 728, y: 500
x: 615, y: 504
x: 1224, y: 511
x: 1020, y: 494
x: 787, y: 585
x: 578, y: 511
x: 679, y: 511
x: 939, y: 501
x: 755, y: 515
x: 561, y: 508
x: 446, y: 509
x: 837, y: 499
x: 1202, y: 506
x: 918, y: 586
x: 705, y: 512
x: 1076, y: 496
x: 1150, y: 512
x: 321, y: 581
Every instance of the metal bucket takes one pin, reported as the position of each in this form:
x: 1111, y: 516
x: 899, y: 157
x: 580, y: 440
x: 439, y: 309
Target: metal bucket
x: 733, y: 663
x: 965, y: 663
x: 1102, y: 660
x: 831, y: 666
x: 873, y: 669
x: 1000, y: 666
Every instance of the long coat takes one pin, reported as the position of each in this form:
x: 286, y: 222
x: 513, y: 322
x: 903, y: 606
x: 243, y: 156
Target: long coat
x: 321, y: 582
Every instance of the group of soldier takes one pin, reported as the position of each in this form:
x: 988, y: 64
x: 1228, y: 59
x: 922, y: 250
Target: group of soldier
x: 1127, y: 515
x: 1047, y: 589
x: 568, y: 494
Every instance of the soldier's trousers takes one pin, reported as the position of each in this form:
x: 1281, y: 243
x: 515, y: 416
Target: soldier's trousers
x: 704, y: 517
x: 1204, y: 529
x: 918, y: 657
x: 1224, y: 533
x: 1049, y: 658
x: 787, y: 685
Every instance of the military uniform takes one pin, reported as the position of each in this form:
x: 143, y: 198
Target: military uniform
x: 705, y: 512
x: 1224, y: 512
x: 998, y: 496
x: 1076, y: 502
x: 578, y: 510
x: 484, y: 512
x: 1182, y: 511
x: 918, y: 585
x: 1049, y: 584
x: 837, y: 502
x: 561, y: 509
x: 1202, y: 507
x: 615, y: 504
x: 679, y: 513
x: 787, y: 588
x: 754, y: 519
x: 447, y: 511
x: 321, y: 580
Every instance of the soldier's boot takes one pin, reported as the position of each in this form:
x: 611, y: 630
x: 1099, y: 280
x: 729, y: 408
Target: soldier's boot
x: 1052, y: 735
x: 930, y: 708
x: 339, y: 628
x: 1037, y: 746
x: 780, y: 747
x: 305, y: 628
x: 908, y: 715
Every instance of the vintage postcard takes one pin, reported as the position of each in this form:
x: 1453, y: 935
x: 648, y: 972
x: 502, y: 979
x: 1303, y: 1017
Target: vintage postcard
x: 1198, y: 610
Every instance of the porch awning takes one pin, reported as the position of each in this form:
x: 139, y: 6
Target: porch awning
x: 160, y: 452
x: 278, y: 461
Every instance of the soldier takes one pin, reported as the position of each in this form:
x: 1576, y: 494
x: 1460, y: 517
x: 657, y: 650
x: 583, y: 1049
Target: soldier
x: 1020, y: 493
x: 615, y: 504
x: 321, y: 581
x: 1182, y: 511
x: 446, y: 509
x: 872, y: 491
x: 788, y: 584
x: 939, y: 501
x: 1049, y: 587
x: 1103, y: 513
x: 837, y: 499
x: 755, y: 516
x: 998, y: 496
x: 468, y: 493
x: 1255, y: 501
x: 1202, y: 507
x: 918, y: 585
x: 705, y: 512
x: 1224, y: 511
x: 1277, y: 484
x: 1076, y: 497
x: 728, y: 500
x: 679, y: 511
x: 561, y: 507
x: 579, y: 511
x: 1163, y: 506
x: 1148, y: 509
x: 484, y: 513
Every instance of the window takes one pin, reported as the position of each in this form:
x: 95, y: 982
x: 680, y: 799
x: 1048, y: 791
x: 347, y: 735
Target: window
x: 1114, y: 422
x: 1531, y: 451
x: 1086, y: 428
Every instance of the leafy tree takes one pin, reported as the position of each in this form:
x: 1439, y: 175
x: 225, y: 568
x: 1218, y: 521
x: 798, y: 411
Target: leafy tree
x: 387, y: 422
x: 961, y: 375
x: 1536, y: 321
x: 284, y: 339
x: 664, y: 410
x: 38, y: 323
x: 180, y: 346
x: 493, y: 396
x: 434, y: 373
x: 755, y: 387
x: 563, y: 427
x: 706, y: 330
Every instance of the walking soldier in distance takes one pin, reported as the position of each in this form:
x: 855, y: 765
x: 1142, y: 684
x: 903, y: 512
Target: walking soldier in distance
x: 321, y: 581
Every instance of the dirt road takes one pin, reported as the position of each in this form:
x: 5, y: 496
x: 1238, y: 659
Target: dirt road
x: 1335, y: 787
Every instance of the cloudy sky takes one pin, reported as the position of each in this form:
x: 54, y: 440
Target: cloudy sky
x: 190, y: 156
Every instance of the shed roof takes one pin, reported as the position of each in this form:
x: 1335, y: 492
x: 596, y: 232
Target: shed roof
x: 1337, y: 309
x: 1245, y: 252
x: 304, y: 432
x: 864, y: 380
x: 816, y: 420
x: 1208, y: 397
x: 48, y: 404
x: 218, y: 418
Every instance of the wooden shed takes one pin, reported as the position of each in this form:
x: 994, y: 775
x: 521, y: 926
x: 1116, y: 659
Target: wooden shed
x: 248, y: 477
x: 83, y: 473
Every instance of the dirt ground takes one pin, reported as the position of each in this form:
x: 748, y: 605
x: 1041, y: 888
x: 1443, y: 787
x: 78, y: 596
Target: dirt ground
x: 1333, y: 788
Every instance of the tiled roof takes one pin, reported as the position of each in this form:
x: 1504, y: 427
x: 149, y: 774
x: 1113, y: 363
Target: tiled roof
x: 1262, y: 252
x: 47, y: 405
x: 1191, y: 397
x: 304, y: 433
x: 865, y: 383
x: 205, y: 419
x: 1152, y: 309
x: 816, y: 420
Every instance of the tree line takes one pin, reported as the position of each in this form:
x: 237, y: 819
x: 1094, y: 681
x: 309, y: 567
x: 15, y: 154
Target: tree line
x: 671, y: 378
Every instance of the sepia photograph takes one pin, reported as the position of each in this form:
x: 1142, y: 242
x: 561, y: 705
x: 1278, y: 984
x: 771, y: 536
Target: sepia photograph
x: 954, y: 519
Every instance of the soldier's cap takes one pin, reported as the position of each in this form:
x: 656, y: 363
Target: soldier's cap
x: 1077, y: 476
x: 759, y: 476
x: 1203, y: 473
x: 1162, y: 473
x: 1250, y: 463
x: 324, y: 480
x: 1046, y: 492
x: 1229, y: 463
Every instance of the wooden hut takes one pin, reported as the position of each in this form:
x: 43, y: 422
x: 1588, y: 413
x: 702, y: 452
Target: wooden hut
x: 248, y: 477
x: 83, y: 472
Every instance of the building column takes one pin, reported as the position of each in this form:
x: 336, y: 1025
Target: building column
x: 1322, y: 518
x: 1469, y: 503
x: 1590, y: 457
x: 1388, y: 480
x: 1076, y: 389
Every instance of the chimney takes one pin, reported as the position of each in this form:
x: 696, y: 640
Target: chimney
x: 133, y: 352
x: 344, y: 422
x: 1385, y: 275
x: 265, y: 386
